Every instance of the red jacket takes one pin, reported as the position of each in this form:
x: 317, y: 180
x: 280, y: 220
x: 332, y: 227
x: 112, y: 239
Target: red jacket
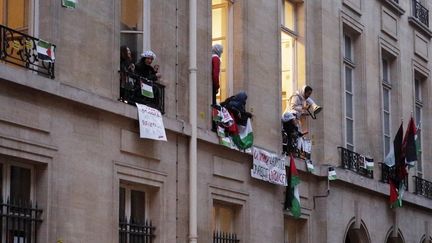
x: 215, y: 71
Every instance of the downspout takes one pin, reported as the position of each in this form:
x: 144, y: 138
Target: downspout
x: 193, y: 237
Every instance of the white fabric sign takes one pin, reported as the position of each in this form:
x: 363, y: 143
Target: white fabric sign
x: 151, y: 123
x: 269, y: 167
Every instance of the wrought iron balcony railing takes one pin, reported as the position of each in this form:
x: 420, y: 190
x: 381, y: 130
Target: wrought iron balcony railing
x: 19, y: 221
x: 222, y: 237
x: 136, y: 232
x: 131, y: 91
x: 390, y: 172
x: 354, y: 162
x: 22, y: 50
x: 423, y: 187
x: 420, y: 12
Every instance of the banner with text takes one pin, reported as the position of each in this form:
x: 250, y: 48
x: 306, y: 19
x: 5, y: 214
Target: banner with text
x: 151, y: 123
x: 269, y: 167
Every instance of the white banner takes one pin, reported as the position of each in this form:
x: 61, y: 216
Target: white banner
x: 268, y: 166
x: 151, y: 123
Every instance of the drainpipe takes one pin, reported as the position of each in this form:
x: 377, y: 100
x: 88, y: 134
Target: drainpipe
x: 193, y: 236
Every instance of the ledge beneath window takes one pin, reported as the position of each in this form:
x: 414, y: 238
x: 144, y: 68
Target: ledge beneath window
x: 420, y: 27
x: 393, y: 6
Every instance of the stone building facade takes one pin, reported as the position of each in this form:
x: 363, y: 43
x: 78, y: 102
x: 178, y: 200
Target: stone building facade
x: 69, y: 144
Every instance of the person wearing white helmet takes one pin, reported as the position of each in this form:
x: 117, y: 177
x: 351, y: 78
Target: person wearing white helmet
x: 291, y: 133
x: 145, y: 69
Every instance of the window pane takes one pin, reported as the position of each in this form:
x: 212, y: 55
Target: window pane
x: 2, y: 12
x: 417, y: 89
x: 219, y: 36
x: 348, y: 50
x: 349, y: 105
x: 131, y: 15
x: 287, y: 65
x: 348, y: 79
x: 122, y: 201
x: 386, y: 123
x: 135, y: 43
x: 20, y: 184
x: 386, y: 145
x: 349, y: 131
x: 137, y: 206
x: 418, y: 115
x: 17, y: 14
x: 289, y: 15
x: 385, y: 69
x: 224, y: 218
x: 386, y: 99
x: 1, y: 180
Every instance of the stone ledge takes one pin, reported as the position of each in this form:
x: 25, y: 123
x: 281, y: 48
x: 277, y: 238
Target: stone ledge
x: 395, y: 7
x: 420, y: 27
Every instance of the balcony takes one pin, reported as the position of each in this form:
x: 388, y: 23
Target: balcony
x: 22, y: 50
x: 130, y: 93
x: 136, y: 232
x: 420, y: 13
x: 389, y: 172
x: 19, y: 221
x: 354, y: 162
x: 221, y: 237
x: 423, y: 187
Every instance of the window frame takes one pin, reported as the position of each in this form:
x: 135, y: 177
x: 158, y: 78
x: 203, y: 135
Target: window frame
x: 418, y: 104
x: 348, y: 63
x: 128, y: 204
x: 386, y: 85
x: 146, y: 25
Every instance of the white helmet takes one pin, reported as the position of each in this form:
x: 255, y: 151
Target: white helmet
x: 288, y: 116
x: 148, y: 54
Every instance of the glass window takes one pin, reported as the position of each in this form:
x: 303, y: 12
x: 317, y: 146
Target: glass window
x: 220, y: 25
x: 288, y: 15
x: 14, y: 14
x: 348, y: 47
x: 122, y: 203
x: 223, y: 218
x: 418, y: 95
x: 132, y: 204
x: 131, y: 26
x: 288, y: 66
x: 385, y: 69
x: 348, y: 79
x: 137, y: 206
x: 20, y: 184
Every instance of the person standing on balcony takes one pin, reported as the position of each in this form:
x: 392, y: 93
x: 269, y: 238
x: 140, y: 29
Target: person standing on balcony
x: 217, y: 50
x: 145, y: 69
x: 298, y: 101
x: 126, y: 67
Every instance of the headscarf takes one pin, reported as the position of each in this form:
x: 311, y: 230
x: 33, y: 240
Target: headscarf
x: 217, y: 49
x: 148, y: 54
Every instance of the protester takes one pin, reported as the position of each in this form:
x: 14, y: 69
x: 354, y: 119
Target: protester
x: 291, y: 133
x: 237, y: 106
x: 127, y: 67
x: 145, y: 69
x: 217, y: 50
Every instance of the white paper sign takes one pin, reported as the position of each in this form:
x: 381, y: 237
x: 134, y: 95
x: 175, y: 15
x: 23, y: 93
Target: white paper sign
x: 151, y: 123
x: 268, y: 166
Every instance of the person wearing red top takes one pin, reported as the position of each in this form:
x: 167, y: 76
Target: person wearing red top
x: 217, y: 50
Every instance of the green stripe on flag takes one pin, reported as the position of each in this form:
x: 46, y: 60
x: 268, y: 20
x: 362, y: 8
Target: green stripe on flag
x: 147, y: 90
x: 69, y: 3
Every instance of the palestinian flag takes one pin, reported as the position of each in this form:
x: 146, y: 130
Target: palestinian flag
x: 292, y: 195
x: 45, y: 51
x: 409, y: 144
x: 244, y: 138
x: 332, y: 174
x: 147, y: 90
x: 69, y: 3
x: 368, y: 163
x: 395, y: 195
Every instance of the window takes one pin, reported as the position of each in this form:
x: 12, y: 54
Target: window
x: 224, y: 223
x: 135, y: 26
x: 133, y: 210
x: 295, y: 230
x: 17, y: 189
x: 386, y: 102
x: 349, y: 93
x: 418, y: 119
x: 221, y: 29
x: 288, y: 51
x: 15, y: 14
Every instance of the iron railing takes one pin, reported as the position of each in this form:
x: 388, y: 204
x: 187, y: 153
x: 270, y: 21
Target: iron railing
x: 354, y: 162
x: 390, y: 172
x: 19, y: 221
x: 423, y: 187
x: 131, y: 91
x: 420, y: 12
x: 21, y: 49
x: 133, y: 231
x: 222, y: 237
